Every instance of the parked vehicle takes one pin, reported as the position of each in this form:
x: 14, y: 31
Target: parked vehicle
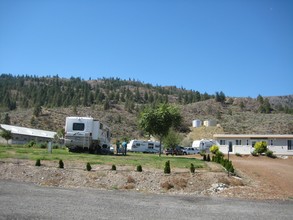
x: 144, y: 146
x: 190, y: 150
x: 87, y: 134
x: 176, y: 151
x: 203, y: 145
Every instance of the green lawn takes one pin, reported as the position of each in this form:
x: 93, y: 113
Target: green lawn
x: 134, y: 159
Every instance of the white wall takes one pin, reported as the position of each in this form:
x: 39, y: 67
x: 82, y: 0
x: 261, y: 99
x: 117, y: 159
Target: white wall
x: 279, y: 146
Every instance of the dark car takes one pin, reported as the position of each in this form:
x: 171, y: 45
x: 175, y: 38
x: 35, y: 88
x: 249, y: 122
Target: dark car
x: 176, y: 151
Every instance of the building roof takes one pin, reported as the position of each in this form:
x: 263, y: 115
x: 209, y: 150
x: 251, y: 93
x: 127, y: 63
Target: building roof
x: 255, y: 136
x: 28, y: 131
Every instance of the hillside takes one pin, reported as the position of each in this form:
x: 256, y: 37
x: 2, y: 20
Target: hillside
x: 45, y: 102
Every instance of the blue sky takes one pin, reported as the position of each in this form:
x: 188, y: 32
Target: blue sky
x: 243, y: 48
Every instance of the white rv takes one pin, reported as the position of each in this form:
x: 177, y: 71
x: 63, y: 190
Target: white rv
x: 86, y: 134
x: 144, y: 146
x: 203, y: 144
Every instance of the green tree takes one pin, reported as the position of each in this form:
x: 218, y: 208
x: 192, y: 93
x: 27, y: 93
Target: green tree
x: 172, y: 139
x: 7, y: 135
x: 158, y: 121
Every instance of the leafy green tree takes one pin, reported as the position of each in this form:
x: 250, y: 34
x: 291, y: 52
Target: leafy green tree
x: 7, y: 135
x: 158, y: 121
x: 172, y: 139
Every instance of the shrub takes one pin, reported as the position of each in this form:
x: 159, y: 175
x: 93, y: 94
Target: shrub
x: 192, y: 168
x: 113, y: 167
x: 204, y: 158
x: 167, y: 168
x: 88, y: 167
x: 139, y: 168
x: 32, y: 143
x: 38, y: 163
x: 238, y: 155
x: 61, y: 164
x: 203, y: 152
x: 260, y: 147
x: 208, y: 158
x: 42, y: 145
x: 270, y: 154
x: 214, y: 149
x: 253, y: 153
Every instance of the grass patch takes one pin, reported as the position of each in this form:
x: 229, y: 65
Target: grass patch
x: 132, y: 159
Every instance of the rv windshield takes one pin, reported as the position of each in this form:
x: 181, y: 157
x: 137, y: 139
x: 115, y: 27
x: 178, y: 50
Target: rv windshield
x: 78, y: 126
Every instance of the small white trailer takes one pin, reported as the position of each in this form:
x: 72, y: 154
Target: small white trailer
x: 144, y: 146
x: 203, y: 145
x: 86, y: 134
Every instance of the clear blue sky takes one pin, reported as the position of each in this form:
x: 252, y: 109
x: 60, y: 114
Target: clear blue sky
x: 243, y: 48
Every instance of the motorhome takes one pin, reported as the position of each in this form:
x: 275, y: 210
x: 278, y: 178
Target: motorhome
x: 144, y: 146
x: 86, y: 134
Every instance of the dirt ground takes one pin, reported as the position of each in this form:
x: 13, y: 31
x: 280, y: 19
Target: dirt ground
x: 257, y: 177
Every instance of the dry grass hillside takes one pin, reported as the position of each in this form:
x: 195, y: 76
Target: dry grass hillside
x: 230, y: 117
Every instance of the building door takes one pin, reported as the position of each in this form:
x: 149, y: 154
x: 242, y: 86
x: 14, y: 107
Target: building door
x: 230, y: 146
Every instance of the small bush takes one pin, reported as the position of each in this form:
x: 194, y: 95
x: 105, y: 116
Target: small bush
x: 61, y: 164
x: 214, y: 149
x: 260, y: 147
x: 167, y: 168
x: 202, y: 153
x: 42, y: 145
x: 139, y: 168
x: 238, y: 155
x: 204, y: 158
x: 208, y: 158
x: 192, y: 168
x: 55, y: 146
x: 32, y: 143
x: 38, y: 163
x: 113, y: 167
x: 88, y: 167
x: 253, y: 153
x: 270, y: 154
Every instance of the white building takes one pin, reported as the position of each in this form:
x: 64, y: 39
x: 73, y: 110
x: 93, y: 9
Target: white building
x: 196, y: 123
x: 210, y: 123
x: 22, y: 135
x: 244, y: 143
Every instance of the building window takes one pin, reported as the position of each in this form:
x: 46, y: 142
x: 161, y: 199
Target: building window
x: 222, y: 142
x: 238, y: 142
x: 290, y: 145
x: 78, y: 126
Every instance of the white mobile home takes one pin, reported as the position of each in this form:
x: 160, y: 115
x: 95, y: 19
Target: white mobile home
x: 244, y: 143
x: 23, y: 135
x: 144, y: 146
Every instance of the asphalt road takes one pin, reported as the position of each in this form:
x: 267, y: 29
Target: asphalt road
x: 28, y: 201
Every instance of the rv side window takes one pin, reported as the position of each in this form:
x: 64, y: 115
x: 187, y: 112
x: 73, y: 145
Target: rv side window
x: 151, y: 146
x: 137, y: 144
x: 78, y: 126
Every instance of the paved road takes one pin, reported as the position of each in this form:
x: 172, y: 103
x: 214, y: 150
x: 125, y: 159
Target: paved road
x: 28, y: 201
